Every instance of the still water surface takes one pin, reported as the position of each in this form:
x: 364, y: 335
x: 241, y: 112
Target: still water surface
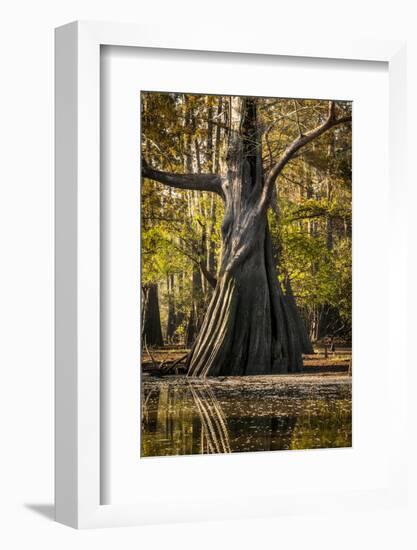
x: 183, y: 417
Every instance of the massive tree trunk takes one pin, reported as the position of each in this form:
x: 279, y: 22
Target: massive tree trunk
x: 245, y: 330
x: 151, y: 320
x: 248, y: 328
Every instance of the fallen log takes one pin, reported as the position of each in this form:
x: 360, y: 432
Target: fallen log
x: 165, y: 367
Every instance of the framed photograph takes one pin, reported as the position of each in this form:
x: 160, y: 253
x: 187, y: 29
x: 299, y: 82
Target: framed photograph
x: 226, y: 310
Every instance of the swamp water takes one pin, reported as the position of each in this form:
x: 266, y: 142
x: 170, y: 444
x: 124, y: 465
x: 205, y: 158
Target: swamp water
x: 182, y: 416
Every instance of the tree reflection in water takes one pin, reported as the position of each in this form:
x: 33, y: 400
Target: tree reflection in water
x: 183, y: 417
x: 214, y: 434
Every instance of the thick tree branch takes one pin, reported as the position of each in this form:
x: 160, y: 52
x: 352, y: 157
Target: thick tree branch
x: 290, y: 151
x: 196, y: 182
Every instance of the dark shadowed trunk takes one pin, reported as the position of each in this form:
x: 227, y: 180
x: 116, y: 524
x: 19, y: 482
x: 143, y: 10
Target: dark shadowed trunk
x: 305, y: 341
x: 246, y: 329
x: 151, y: 320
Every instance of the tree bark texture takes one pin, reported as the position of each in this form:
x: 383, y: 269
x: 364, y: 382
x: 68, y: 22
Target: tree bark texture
x: 248, y: 329
x: 151, y: 324
x: 290, y: 302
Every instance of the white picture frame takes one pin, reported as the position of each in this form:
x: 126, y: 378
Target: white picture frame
x: 77, y: 237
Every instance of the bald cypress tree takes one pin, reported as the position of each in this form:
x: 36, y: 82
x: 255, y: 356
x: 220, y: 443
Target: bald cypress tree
x: 247, y: 328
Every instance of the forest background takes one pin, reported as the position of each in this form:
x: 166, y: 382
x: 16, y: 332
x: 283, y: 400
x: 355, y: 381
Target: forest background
x: 310, y: 218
